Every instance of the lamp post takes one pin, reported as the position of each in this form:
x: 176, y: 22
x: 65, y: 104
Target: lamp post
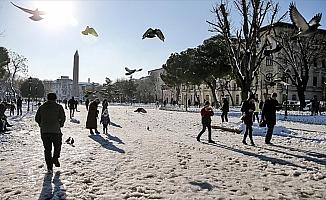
x: 29, y: 91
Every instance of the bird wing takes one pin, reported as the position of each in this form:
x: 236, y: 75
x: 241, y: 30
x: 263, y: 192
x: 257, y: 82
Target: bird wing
x: 159, y: 34
x: 93, y: 32
x: 24, y: 9
x: 147, y: 32
x: 128, y: 70
x: 297, y: 18
x: 315, y: 20
x: 138, y: 70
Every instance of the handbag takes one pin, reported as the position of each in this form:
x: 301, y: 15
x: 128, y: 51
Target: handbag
x: 262, y: 123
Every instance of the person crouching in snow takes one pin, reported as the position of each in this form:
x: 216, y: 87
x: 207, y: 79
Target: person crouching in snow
x: 206, y: 114
x: 105, y: 120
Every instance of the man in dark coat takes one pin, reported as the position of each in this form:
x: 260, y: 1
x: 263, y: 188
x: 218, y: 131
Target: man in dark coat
x: 91, y: 122
x: 71, y: 105
x: 19, y: 106
x: 51, y: 117
x: 248, y: 108
x: 269, y: 115
x: 225, y: 110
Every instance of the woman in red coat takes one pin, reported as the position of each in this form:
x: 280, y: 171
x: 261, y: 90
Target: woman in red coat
x: 91, y: 122
x: 206, y: 120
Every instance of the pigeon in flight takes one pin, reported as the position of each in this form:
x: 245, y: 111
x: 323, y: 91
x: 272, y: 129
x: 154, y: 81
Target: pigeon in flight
x: 305, y: 29
x: 89, y: 30
x: 151, y: 33
x: 36, y: 13
x: 131, y: 71
x: 72, y: 141
x: 68, y: 140
x: 276, y: 46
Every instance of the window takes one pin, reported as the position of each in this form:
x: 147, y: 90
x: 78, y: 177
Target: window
x: 314, y: 81
x: 269, y: 60
x: 237, y: 99
x: 234, y: 86
x: 323, y: 81
x: 294, y: 97
x: 323, y: 64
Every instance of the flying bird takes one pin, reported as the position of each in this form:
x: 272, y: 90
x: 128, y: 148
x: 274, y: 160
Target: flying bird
x: 131, y: 71
x: 68, y: 140
x: 89, y: 30
x: 305, y: 29
x: 276, y: 46
x: 151, y: 33
x: 36, y: 13
x: 72, y: 141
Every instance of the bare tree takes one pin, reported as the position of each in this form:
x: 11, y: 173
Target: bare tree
x: 16, y: 65
x: 244, y: 44
x: 299, y: 56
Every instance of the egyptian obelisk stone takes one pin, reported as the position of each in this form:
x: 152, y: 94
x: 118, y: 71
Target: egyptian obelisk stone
x: 75, y: 89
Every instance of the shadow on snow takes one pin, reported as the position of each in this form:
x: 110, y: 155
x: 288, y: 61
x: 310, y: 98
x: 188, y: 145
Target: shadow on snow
x: 106, y: 143
x: 48, y: 192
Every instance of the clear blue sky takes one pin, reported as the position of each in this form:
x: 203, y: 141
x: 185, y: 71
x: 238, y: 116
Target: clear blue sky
x: 49, y: 44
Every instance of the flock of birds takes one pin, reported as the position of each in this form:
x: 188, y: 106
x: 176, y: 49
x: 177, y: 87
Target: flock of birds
x: 150, y: 33
x: 305, y: 29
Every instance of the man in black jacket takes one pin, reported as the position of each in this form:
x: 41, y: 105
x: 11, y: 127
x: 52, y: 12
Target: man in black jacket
x: 269, y: 115
x: 51, y: 117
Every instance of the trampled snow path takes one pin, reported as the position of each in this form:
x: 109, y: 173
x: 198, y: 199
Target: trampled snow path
x: 165, y: 162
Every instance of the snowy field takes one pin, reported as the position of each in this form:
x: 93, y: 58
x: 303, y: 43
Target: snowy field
x: 164, y: 162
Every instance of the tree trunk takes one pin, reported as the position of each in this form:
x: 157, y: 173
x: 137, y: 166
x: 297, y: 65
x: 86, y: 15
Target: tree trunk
x: 213, y: 89
x: 245, y: 89
x: 178, y: 93
x: 232, y: 102
x: 301, y: 91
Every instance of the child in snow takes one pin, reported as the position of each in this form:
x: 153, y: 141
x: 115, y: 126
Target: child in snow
x: 105, y: 120
x: 12, y: 108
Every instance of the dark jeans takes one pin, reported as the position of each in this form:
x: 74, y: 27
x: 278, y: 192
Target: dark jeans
x: 19, y: 110
x: 255, y: 115
x: 269, y: 134
x: 72, y: 112
x: 208, y: 125
x: 49, y: 139
x: 248, y: 130
x: 224, y: 116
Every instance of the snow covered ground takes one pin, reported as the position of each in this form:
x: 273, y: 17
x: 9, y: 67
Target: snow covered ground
x: 164, y: 162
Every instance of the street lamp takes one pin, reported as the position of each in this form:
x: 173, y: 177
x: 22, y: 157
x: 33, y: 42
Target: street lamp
x: 29, y: 91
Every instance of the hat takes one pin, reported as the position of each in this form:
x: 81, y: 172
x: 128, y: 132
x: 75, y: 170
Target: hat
x: 52, y: 96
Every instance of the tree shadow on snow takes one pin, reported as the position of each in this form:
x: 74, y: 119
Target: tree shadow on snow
x: 261, y: 157
x: 115, y: 125
x: 316, y: 160
x: 48, y: 192
x: 310, y: 153
x: 202, y: 185
x: 106, y: 143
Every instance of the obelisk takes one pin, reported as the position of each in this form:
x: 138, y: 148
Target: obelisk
x: 75, y: 89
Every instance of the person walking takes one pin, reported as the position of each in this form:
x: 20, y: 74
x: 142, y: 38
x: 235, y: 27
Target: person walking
x: 257, y: 110
x: 19, y: 106
x: 71, y: 105
x: 105, y: 120
x: 225, y: 110
x: 87, y: 103
x: 12, y: 108
x: 50, y: 117
x: 268, y: 114
x: 206, y: 113
x: 91, y: 122
x: 65, y: 101
x: 248, y: 108
x: 104, y: 105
